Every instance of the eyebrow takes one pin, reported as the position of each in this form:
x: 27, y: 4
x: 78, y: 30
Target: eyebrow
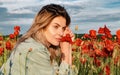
x: 60, y: 25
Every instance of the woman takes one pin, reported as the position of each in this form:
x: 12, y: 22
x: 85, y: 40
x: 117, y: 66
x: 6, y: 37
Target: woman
x: 37, y: 49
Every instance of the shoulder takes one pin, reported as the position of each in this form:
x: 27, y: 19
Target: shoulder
x: 30, y: 43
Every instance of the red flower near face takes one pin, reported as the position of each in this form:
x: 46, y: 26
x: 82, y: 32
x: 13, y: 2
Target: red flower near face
x: 16, y: 28
x: 1, y: 50
x: 118, y: 34
x: 92, y: 33
x: 11, y: 36
x: 67, y: 38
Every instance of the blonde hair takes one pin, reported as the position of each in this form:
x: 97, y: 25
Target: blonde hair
x: 41, y: 21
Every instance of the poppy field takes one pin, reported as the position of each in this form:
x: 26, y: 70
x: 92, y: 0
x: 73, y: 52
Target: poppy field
x: 95, y: 53
x: 7, y: 43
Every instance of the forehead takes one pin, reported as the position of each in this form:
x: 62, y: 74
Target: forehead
x: 59, y: 20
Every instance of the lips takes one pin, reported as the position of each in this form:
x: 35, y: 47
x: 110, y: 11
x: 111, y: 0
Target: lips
x: 59, y: 39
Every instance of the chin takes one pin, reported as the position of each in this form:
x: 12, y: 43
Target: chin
x: 56, y: 44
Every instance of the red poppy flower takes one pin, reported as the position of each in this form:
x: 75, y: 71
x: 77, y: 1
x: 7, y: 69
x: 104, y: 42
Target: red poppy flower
x: 92, y: 33
x: 16, y: 33
x: 67, y: 38
x: 109, y: 45
x: 118, y: 34
x: 98, y: 52
x: 101, y: 30
x: 84, y: 49
x: 107, y: 70
x: 108, y: 35
x: 1, y: 38
x: 116, y: 60
x: 110, y: 48
x: 8, y: 45
x: 85, y: 36
x: 97, y: 62
x: 106, y: 30
x: 118, y: 40
x: 1, y: 50
x: 103, y: 37
x: 11, y: 36
x: 16, y: 28
x: 78, y: 42
x: 107, y: 42
x: 104, y: 53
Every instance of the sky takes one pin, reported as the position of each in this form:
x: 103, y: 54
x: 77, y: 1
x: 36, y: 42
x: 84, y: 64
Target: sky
x: 87, y: 14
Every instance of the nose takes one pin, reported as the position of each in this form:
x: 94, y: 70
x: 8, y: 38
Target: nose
x: 60, y: 32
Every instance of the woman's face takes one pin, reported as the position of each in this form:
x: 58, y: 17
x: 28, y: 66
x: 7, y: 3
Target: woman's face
x: 55, y: 30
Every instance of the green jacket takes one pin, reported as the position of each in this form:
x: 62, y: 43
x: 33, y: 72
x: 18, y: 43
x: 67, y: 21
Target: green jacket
x: 32, y: 58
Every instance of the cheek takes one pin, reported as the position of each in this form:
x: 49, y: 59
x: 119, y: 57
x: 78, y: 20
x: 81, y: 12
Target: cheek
x: 50, y: 36
x: 52, y: 32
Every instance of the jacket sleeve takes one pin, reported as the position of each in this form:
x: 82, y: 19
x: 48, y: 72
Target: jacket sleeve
x: 66, y: 69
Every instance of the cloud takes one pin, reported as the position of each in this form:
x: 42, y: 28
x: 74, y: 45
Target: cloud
x: 10, y: 1
x: 88, y: 14
x: 85, y: 27
x: 18, y: 21
x: 9, y: 25
x: 20, y: 11
x: 3, y: 10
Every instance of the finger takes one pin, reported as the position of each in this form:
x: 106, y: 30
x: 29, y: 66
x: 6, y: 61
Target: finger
x: 66, y: 31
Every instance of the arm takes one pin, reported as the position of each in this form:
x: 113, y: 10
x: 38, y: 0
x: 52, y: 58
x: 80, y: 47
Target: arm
x: 66, y: 50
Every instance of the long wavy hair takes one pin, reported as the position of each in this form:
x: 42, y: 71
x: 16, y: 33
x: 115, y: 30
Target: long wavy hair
x: 41, y: 21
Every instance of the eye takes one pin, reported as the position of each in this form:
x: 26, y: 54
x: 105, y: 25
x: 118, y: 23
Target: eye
x: 63, y: 28
x: 56, y: 27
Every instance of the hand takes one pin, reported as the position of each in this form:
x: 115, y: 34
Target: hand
x: 68, y: 31
x: 66, y: 49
